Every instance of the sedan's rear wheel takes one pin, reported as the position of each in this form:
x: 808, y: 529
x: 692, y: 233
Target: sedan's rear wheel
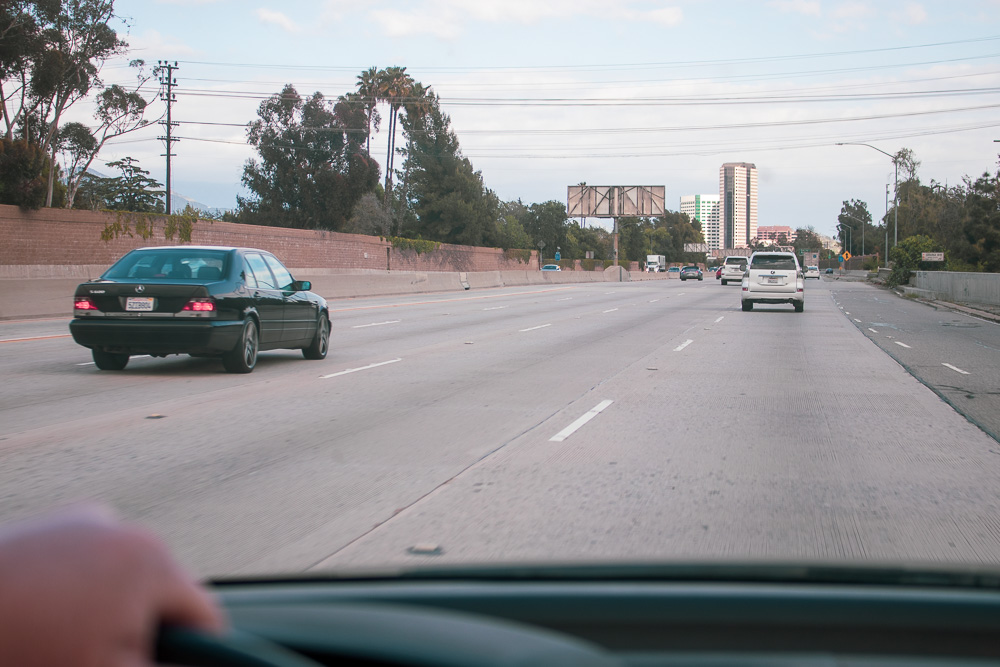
x: 747, y: 306
x: 321, y: 342
x: 243, y: 357
x: 109, y: 361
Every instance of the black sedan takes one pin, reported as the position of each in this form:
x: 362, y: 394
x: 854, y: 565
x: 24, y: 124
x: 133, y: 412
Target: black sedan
x: 202, y: 301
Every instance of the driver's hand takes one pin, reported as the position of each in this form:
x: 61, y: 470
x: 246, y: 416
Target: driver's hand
x: 81, y: 589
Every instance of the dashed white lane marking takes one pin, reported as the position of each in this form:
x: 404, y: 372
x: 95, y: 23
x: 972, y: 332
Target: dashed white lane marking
x: 653, y: 300
x: 362, y: 368
x: 495, y: 308
x: 683, y: 345
x: 719, y: 320
x: 568, y: 298
x: 901, y: 344
x: 857, y: 320
x: 378, y: 324
x: 610, y: 310
x: 540, y: 326
x: 872, y: 330
x: 572, y: 428
x: 956, y: 369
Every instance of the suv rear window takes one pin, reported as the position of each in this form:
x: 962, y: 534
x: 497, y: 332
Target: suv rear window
x: 780, y: 262
x: 737, y: 261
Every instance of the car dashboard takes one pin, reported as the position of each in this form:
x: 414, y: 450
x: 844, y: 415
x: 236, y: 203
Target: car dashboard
x: 632, y: 621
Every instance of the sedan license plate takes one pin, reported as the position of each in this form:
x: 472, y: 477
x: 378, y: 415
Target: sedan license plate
x: 141, y: 303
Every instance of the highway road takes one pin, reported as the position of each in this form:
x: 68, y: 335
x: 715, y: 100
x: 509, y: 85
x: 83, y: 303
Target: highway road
x: 601, y: 421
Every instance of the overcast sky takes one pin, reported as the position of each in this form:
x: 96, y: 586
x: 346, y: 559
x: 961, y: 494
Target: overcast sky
x: 549, y: 93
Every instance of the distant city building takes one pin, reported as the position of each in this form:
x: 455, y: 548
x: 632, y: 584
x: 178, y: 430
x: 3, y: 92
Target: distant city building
x: 738, y: 203
x: 705, y: 209
x: 775, y: 233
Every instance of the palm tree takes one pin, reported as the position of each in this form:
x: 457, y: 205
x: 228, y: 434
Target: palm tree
x: 395, y: 86
x: 368, y: 92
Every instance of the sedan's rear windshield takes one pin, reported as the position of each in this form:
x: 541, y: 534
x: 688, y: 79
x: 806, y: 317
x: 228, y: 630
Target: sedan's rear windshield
x: 195, y: 265
x: 782, y: 262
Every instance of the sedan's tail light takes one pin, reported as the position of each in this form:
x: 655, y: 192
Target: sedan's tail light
x: 83, y: 303
x: 200, y: 305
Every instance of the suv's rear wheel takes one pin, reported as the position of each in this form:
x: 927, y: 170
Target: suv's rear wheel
x: 724, y: 281
x: 799, y: 306
x: 747, y: 306
x: 243, y: 357
x: 109, y: 361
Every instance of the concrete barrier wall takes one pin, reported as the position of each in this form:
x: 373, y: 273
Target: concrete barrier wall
x: 959, y: 286
x: 28, y: 291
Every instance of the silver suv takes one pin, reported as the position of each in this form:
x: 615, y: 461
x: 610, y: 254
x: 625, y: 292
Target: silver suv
x: 734, y: 268
x: 773, y: 277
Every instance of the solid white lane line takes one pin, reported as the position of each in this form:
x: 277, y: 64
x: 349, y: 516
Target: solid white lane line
x: 363, y: 368
x: 720, y: 319
x: 136, y: 356
x: 683, y: 345
x: 957, y: 369
x: 374, y: 324
x: 611, y: 310
x: 572, y: 428
x: 901, y: 344
x: 540, y: 326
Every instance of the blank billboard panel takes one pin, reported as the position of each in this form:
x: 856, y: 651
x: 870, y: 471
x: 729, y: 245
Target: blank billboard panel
x: 614, y: 201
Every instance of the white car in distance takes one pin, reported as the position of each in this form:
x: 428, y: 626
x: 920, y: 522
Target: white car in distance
x: 811, y: 272
x: 773, y: 277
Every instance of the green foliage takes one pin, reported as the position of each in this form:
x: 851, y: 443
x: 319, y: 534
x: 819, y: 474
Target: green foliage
x: 588, y: 264
x: 516, y: 254
x: 311, y: 169
x: 853, y: 222
x: 132, y: 224
x: 23, y: 174
x: 446, y: 196
x: 132, y: 191
x: 418, y: 246
x: 905, y: 258
x: 511, y: 234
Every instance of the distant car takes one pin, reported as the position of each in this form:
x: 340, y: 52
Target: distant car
x: 551, y: 267
x: 718, y: 273
x: 773, y: 277
x: 828, y: 271
x: 733, y: 268
x: 692, y: 272
x: 811, y: 272
x: 198, y: 300
x: 674, y: 272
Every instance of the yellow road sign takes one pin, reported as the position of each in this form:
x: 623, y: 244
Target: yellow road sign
x: 847, y: 255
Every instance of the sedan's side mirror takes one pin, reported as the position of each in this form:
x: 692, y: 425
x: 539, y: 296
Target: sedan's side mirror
x: 301, y: 286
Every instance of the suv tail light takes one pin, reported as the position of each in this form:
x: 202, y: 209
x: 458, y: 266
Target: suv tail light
x: 83, y: 303
x: 200, y: 305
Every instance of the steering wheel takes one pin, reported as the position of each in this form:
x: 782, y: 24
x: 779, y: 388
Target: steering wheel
x: 181, y: 646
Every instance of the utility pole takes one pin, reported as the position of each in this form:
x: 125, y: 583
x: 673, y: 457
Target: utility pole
x: 167, y: 79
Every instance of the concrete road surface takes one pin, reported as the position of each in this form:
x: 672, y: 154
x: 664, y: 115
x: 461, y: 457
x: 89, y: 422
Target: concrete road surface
x: 616, y: 421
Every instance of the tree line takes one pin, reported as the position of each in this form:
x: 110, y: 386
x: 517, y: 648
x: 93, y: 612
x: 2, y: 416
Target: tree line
x: 313, y: 167
x: 961, y: 220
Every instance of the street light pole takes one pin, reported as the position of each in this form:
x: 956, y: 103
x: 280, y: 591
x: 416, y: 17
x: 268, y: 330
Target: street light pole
x: 895, y: 194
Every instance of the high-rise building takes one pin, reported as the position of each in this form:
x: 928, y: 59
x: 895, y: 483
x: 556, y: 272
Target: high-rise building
x: 738, y: 203
x: 705, y: 209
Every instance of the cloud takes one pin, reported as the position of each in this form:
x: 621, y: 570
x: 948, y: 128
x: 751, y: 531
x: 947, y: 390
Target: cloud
x: 806, y: 7
x: 447, y: 18
x: 914, y: 13
x: 851, y: 10
x: 276, y: 18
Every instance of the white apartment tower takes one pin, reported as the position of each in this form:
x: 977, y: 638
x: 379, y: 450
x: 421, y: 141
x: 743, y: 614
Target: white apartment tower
x: 705, y: 208
x: 738, y: 203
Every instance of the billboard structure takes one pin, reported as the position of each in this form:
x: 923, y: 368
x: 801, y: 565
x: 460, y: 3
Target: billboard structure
x: 615, y: 201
